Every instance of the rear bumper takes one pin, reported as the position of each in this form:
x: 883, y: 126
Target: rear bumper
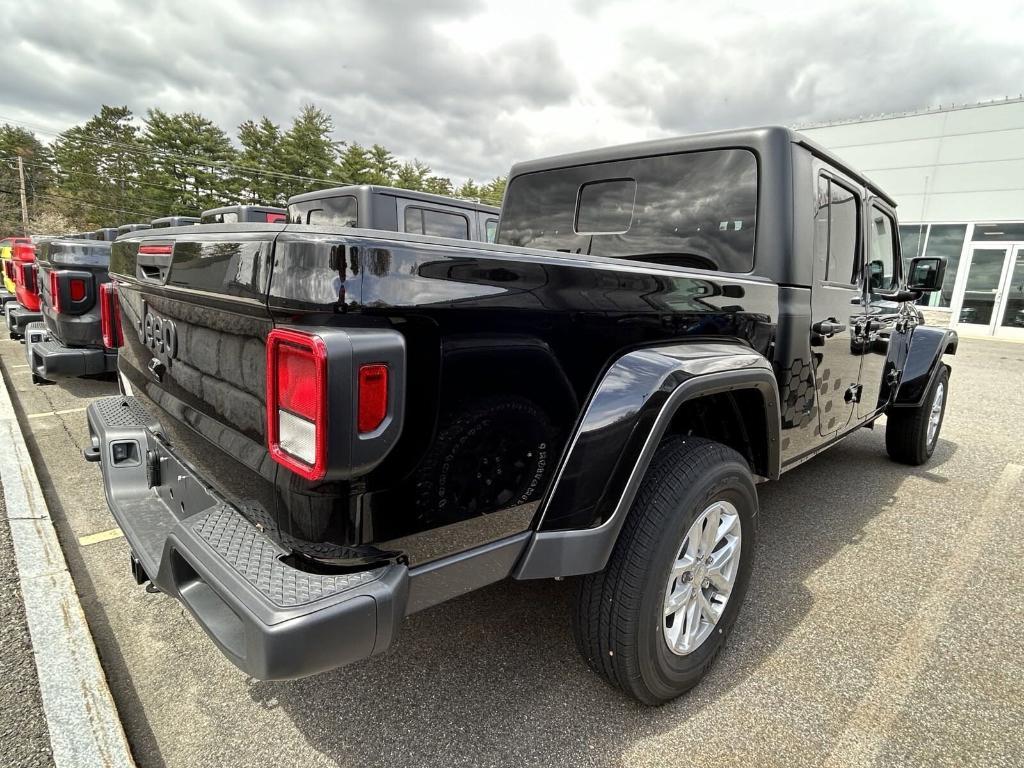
x: 18, y: 317
x: 52, y: 360
x: 272, y: 620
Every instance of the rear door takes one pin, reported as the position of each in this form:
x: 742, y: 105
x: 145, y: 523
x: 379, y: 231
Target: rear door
x: 836, y: 299
x: 195, y: 322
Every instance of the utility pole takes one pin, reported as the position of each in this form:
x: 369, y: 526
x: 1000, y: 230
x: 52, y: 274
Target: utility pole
x: 24, y: 200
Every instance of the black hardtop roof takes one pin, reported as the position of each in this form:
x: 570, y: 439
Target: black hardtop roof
x: 105, y: 233
x: 133, y: 228
x: 171, y: 219
x: 426, y: 197
x: 765, y: 139
x: 74, y: 251
x: 241, y: 208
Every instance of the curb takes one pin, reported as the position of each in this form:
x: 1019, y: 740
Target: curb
x: 83, y: 723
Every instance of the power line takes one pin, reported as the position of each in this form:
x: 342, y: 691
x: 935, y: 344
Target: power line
x: 56, y: 168
x: 149, y: 214
x: 195, y: 160
x: 58, y: 172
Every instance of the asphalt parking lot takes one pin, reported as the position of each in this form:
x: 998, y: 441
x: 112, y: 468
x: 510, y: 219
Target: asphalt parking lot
x: 884, y: 626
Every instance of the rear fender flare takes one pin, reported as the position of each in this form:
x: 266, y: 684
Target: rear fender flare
x: 615, y: 441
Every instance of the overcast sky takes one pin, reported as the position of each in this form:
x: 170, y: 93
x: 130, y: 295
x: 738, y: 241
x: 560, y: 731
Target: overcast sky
x: 470, y: 87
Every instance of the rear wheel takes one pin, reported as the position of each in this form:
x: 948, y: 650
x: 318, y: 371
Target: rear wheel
x: 911, y: 434
x: 653, y: 621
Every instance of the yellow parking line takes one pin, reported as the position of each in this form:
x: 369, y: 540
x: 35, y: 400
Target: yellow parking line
x: 54, y: 413
x: 23, y: 365
x: 96, y: 538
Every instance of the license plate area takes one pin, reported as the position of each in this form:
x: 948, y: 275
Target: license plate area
x: 179, y: 489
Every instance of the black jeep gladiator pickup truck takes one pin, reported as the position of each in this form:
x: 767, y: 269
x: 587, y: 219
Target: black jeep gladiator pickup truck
x: 368, y: 206
x: 243, y: 214
x: 74, y: 287
x: 323, y: 430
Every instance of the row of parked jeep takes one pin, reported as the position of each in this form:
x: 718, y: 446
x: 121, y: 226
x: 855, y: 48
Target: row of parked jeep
x: 57, y: 295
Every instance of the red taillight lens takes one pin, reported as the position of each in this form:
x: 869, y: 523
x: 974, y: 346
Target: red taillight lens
x: 373, y: 396
x: 55, y: 290
x: 110, y: 316
x: 76, y: 289
x: 297, y: 402
x: 273, y: 218
x: 157, y: 250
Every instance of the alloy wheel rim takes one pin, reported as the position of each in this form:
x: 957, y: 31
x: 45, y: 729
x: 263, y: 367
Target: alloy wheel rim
x: 702, y: 578
x: 936, y: 415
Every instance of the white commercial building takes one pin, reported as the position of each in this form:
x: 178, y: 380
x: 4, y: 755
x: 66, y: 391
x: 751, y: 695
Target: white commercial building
x: 957, y: 175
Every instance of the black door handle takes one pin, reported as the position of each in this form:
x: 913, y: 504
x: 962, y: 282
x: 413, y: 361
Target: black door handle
x: 828, y: 328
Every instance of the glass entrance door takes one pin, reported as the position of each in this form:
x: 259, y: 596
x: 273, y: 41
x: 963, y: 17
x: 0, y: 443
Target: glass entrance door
x: 993, y: 297
x: 1010, y: 320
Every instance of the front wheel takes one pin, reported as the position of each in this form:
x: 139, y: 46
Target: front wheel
x: 911, y: 434
x: 652, y: 622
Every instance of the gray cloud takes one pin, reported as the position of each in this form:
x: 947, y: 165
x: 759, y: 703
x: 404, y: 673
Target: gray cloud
x: 393, y: 72
x: 862, y: 60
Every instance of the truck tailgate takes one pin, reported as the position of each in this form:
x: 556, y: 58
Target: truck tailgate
x: 195, y: 321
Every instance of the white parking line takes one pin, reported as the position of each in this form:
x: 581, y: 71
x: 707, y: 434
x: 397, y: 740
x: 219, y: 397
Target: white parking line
x: 96, y: 538
x: 22, y: 365
x: 81, y: 717
x: 44, y: 414
x: 895, y: 677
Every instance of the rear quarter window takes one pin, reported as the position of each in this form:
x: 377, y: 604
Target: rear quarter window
x: 426, y: 221
x: 694, y: 209
x: 341, y: 211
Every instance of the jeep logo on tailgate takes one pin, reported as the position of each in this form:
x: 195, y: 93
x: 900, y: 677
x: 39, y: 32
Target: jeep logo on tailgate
x: 159, y: 335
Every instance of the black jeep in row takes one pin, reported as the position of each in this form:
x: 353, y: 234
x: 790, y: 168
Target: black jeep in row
x: 325, y: 429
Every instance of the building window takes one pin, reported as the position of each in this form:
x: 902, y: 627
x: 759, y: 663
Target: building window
x: 1005, y: 231
x: 945, y: 240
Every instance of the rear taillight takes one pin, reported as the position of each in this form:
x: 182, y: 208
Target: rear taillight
x: 55, y: 290
x: 373, y: 397
x: 273, y: 218
x: 110, y: 316
x: 297, y: 402
x: 76, y: 289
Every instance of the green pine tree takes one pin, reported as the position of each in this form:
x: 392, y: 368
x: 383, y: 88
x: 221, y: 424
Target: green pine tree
x: 39, y: 176
x: 190, y: 164
x: 262, y: 151
x: 307, y: 151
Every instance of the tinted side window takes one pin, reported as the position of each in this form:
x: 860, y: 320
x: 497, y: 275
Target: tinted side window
x: 881, y: 268
x: 341, y: 211
x: 836, y: 231
x: 424, y: 221
x: 842, y: 234
x: 694, y: 209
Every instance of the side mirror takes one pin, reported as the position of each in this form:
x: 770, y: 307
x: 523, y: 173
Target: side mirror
x: 926, y: 273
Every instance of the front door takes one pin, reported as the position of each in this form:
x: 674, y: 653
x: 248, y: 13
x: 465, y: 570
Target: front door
x: 881, y: 320
x: 993, y: 296
x: 836, y: 302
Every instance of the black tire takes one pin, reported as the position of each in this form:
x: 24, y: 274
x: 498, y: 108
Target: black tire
x: 906, y: 429
x: 618, y: 621
x: 493, y: 454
